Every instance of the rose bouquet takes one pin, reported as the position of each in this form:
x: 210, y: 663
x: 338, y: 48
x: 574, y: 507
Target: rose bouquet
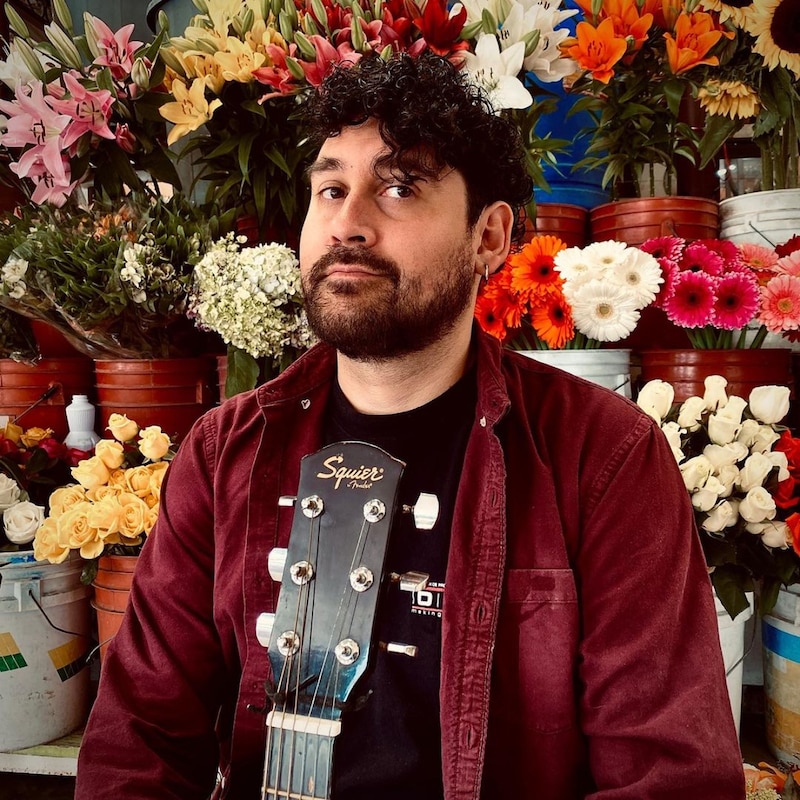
x: 32, y: 464
x: 82, y: 108
x: 114, y: 504
x: 240, y: 72
x: 549, y: 296
x: 726, y: 295
x: 741, y: 468
x: 251, y: 297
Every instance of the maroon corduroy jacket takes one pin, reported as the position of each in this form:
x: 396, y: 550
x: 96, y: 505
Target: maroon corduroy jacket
x: 580, y: 653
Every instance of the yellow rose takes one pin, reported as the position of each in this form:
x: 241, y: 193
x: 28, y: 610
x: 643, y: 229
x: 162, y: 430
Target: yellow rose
x: 91, y: 473
x: 33, y: 436
x: 117, y: 479
x: 134, y: 515
x: 153, y: 444
x: 122, y: 428
x: 150, y: 518
x: 74, y: 531
x: 157, y: 472
x: 65, y: 497
x: 106, y: 490
x: 46, y: 546
x: 105, y: 515
x: 12, y: 432
x: 110, y: 453
x: 137, y: 480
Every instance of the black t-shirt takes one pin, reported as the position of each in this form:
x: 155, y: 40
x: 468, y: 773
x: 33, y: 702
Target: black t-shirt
x: 390, y: 747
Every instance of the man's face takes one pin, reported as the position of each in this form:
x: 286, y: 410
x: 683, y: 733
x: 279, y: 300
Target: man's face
x: 388, y: 265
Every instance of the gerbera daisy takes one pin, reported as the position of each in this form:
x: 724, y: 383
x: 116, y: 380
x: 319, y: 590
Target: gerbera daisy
x: 552, y: 321
x: 691, y: 304
x: 697, y: 257
x: 774, y: 25
x: 733, y: 99
x: 758, y: 258
x: 486, y: 313
x: 788, y: 247
x: 734, y: 10
x: 737, y: 301
x: 640, y: 273
x: 532, y: 269
x: 508, y: 306
x: 669, y: 270
x: 573, y: 264
x: 780, y: 304
x: 728, y: 250
x: 604, y: 312
x: 669, y: 247
x: 789, y: 265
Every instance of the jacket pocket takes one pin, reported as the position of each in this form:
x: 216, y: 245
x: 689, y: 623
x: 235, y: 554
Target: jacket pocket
x: 534, y: 679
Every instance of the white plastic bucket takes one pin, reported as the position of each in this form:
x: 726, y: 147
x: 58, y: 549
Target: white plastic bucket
x: 764, y: 218
x: 731, y: 639
x: 609, y: 368
x: 44, y: 682
x: 780, y: 635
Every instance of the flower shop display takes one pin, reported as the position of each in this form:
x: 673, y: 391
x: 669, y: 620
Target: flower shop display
x: 82, y: 110
x: 766, y: 782
x: 239, y: 74
x: 251, y: 297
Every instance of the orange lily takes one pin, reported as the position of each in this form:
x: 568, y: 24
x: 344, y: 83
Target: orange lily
x: 695, y: 35
x: 596, y: 49
x: 629, y: 24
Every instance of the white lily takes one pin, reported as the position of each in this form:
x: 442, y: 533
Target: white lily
x: 497, y: 72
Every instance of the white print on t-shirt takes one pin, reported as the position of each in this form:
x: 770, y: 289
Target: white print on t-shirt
x: 428, y: 601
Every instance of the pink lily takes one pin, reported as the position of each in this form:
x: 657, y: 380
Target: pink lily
x: 278, y: 75
x: 90, y: 111
x: 48, y: 188
x: 126, y: 141
x: 327, y: 57
x: 117, y: 48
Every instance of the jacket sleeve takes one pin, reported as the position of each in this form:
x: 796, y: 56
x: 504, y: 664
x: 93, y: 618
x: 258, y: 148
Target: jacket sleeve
x: 655, y: 708
x: 150, y: 734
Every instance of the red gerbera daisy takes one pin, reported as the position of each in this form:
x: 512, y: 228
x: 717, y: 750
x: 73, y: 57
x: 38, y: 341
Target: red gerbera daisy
x: 699, y: 258
x: 669, y: 247
x: 691, y: 304
x: 737, y: 301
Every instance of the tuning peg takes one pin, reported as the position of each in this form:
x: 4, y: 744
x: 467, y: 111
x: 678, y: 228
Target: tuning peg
x: 276, y: 561
x: 286, y: 501
x: 425, y: 511
x: 410, y: 581
x: 409, y: 650
x: 264, y: 625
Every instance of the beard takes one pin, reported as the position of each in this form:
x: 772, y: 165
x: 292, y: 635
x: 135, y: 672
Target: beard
x: 393, y: 315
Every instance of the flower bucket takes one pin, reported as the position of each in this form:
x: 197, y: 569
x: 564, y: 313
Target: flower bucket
x: 169, y: 392
x: 764, y: 218
x: 22, y: 385
x: 780, y: 633
x: 636, y: 220
x: 569, y: 223
x: 44, y: 682
x: 731, y: 639
x: 111, y: 585
x: 609, y: 368
x: 744, y: 369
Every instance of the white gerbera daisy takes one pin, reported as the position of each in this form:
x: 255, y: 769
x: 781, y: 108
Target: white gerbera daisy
x: 606, y: 253
x: 572, y: 263
x: 774, y: 24
x: 603, y: 311
x: 640, y: 273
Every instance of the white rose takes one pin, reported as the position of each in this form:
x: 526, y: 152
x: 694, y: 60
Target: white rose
x: 690, y: 413
x: 722, y: 430
x: 21, y: 521
x: 773, y: 533
x: 715, y: 395
x: 656, y: 398
x: 727, y: 476
x: 695, y: 472
x: 733, y: 409
x: 748, y: 432
x: 721, y: 455
x: 723, y: 516
x: 754, y: 472
x: 704, y: 499
x: 10, y: 493
x: 757, y: 505
x: 780, y: 461
x: 673, y: 433
x: 764, y: 439
x: 769, y: 404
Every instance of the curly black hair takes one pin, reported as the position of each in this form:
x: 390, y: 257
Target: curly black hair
x: 431, y: 117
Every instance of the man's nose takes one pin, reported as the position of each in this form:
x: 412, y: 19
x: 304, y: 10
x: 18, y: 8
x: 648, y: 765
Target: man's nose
x: 355, y: 221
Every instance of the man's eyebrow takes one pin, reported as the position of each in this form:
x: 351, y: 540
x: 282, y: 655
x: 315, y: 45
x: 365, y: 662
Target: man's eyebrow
x: 326, y: 164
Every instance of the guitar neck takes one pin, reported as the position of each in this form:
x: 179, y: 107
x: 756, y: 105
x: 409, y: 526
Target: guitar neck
x: 299, y: 757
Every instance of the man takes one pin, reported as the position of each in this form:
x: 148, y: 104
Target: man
x: 575, y: 653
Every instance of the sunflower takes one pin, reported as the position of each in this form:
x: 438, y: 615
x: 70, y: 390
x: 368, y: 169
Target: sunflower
x: 735, y: 10
x: 774, y: 25
x: 733, y: 99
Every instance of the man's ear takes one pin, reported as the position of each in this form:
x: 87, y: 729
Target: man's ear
x: 495, y: 226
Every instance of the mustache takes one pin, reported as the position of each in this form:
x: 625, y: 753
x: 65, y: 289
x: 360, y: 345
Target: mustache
x: 352, y: 255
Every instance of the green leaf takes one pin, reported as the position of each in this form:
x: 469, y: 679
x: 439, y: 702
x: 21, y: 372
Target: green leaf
x: 718, y: 130
x: 242, y: 372
x: 730, y: 583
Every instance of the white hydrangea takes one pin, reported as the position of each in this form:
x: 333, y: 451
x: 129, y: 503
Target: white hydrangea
x: 12, y: 277
x: 251, y: 296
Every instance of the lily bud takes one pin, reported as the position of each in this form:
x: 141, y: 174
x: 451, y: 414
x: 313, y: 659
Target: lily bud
x: 305, y: 46
x: 248, y: 18
x: 140, y: 74
x: 488, y: 22
x: 386, y: 53
x: 309, y: 26
x: 357, y: 36
x: 91, y: 34
x: 126, y: 141
x: 320, y: 13
x: 531, y: 40
x: 293, y: 65
x: 15, y: 21
x: 285, y: 25
x: 171, y: 60
x: 65, y: 47
x: 201, y: 6
x: 63, y: 15
x: 471, y: 31
x: 30, y: 58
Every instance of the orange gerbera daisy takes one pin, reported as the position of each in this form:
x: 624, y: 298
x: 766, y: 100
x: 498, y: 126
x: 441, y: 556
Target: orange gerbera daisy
x: 695, y: 35
x: 596, y: 49
x: 552, y: 321
x: 488, y: 318
x: 532, y: 270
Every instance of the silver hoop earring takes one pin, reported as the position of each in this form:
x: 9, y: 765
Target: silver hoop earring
x: 486, y: 272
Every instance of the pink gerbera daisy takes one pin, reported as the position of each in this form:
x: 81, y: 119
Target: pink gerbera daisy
x: 669, y: 269
x: 780, y: 304
x: 789, y: 265
x: 737, y: 300
x: 725, y: 248
x: 758, y: 258
x: 691, y: 304
x: 669, y: 247
x: 699, y: 258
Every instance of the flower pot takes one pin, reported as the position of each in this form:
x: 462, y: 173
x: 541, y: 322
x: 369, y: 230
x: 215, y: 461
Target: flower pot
x: 636, y: 220
x: 112, y: 586
x: 51, y: 342
x: 744, y: 369
x: 169, y: 392
x: 764, y: 218
x: 569, y: 223
x: 23, y: 386
x: 731, y: 639
x: 609, y: 368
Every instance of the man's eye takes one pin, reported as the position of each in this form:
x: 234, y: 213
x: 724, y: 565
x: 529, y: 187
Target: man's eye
x: 399, y: 190
x: 331, y: 192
